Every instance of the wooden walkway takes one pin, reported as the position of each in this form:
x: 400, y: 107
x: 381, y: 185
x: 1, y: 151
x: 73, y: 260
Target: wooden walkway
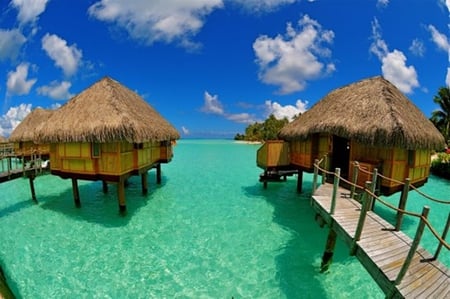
x: 381, y: 249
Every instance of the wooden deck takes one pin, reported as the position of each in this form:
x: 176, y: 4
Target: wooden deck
x: 381, y: 250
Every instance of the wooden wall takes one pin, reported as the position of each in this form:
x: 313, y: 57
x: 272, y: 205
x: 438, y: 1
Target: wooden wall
x: 113, y: 158
x: 273, y: 153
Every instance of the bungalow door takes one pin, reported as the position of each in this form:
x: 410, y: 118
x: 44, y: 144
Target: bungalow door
x: 341, y: 155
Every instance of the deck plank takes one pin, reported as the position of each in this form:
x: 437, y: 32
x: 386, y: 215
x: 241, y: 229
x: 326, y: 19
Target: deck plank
x: 381, y: 250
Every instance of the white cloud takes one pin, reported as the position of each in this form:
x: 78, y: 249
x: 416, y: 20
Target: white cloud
x: 68, y: 58
x: 29, y: 10
x: 291, y: 60
x: 56, y: 90
x: 17, y: 83
x: 393, y: 66
x: 12, y: 118
x: 439, y: 38
x: 417, y: 47
x: 10, y: 43
x: 262, y: 5
x: 185, y: 130
x: 288, y: 111
x: 382, y: 3
x: 157, y: 21
x: 212, y: 104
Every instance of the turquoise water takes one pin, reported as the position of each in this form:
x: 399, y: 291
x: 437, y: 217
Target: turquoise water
x: 209, y: 230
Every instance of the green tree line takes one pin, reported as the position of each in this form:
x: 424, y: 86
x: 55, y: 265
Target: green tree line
x: 267, y: 130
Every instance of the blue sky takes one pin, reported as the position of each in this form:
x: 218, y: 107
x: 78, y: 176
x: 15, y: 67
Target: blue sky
x: 211, y: 67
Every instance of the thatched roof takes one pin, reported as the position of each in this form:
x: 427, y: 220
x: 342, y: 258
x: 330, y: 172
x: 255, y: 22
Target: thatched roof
x: 3, y: 139
x: 26, y: 130
x: 105, y: 112
x: 372, y: 111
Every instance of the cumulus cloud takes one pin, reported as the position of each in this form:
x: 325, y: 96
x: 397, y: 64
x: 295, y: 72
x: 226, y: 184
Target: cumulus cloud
x: 10, y: 43
x: 288, y: 111
x: 394, y: 66
x: 156, y: 21
x: 292, y: 59
x: 12, y: 118
x: 17, y: 82
x: 29, y: 10
x: 212, y: 105
x: 382, y: 3
x: 68, y: 58
x: 56, y: 90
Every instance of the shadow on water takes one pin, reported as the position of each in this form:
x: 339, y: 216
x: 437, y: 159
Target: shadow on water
x: 99, y: 207
x: 17, y: 207
x: 298, y: 271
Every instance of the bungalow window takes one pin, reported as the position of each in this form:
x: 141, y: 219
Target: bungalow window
x: 95, y: 150
x: 138, y: 146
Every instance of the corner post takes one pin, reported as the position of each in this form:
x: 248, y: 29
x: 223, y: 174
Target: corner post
x: 373, y: 188
x: 316, y: 172
x: 402, y: 204
x: 354, y: 179
x: 337, y: 174
x: 366, y: 204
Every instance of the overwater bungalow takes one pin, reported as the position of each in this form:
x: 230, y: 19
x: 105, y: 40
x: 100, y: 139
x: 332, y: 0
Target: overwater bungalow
x: 370, y: 122
x: 24, y: 136
x: 107, y: 133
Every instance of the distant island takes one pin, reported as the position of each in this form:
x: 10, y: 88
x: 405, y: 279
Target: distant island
x: 259, y: 132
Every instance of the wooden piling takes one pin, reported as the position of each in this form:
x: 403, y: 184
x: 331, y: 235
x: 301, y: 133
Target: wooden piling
x: 316, y: 173
x: 105, y: 187
x: 33, y: 193
x: 76, y: 193
x: 327, y: 257
x: 300, y: 181
x: 121, y: 195
x: 158, y: 173
x: 144, y: 182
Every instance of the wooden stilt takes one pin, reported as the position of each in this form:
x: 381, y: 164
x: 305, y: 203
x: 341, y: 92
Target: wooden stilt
x: 121, y: 195
x: 33, y: 193
x: 158, y: 173
x: 327, y: 257
x: 104, y: 187
x: 144, y: 177
x: 300, y: 181
x: 76, y: 193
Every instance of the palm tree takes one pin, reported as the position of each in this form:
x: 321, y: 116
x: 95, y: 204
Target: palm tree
x: 441, y: 117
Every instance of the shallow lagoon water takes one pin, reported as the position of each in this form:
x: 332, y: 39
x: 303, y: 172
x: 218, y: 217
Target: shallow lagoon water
x: 210, y: 230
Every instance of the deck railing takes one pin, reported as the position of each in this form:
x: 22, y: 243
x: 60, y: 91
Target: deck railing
x: 368, y: 196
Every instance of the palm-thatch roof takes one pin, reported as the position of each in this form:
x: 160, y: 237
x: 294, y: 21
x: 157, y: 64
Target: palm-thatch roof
x: 106, y: 112
x: 26, y: 130
x: 371, y: 111
x: 3, y: 139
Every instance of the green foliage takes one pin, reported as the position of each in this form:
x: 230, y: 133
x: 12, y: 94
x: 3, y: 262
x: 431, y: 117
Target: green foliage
x: 440, y: 166
x: 441, y: 116
x: 268, y: 130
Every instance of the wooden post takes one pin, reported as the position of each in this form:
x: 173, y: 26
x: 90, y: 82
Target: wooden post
x: 414, y: 245
x: 316, y: 173
x: 104, y: 187
x: 299, y: 181
x: 337, y: 174
x: 444, y: 235
x: 324, y: 175
x: 402, y: 204
x: 76, y: 193
x: 365, y: 207
x: 144, y: 182
x: 33, y: 193
x: 373, y: 187
x: 121, y: 195
x: 158, y: 173
x: 327, y: 257
x: 354, y: 179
